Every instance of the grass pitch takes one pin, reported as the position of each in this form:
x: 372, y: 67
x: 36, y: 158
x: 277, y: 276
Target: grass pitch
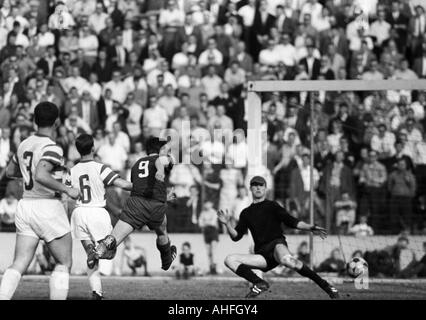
x: 220, y: 288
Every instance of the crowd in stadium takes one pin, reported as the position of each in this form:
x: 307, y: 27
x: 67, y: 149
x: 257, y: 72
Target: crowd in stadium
x: 123, y: 70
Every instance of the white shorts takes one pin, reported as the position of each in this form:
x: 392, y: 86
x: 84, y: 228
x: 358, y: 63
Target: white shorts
x: 45, y: 219
x: 90, y: 223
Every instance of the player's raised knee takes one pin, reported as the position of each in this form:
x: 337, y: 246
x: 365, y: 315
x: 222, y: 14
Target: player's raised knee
x: 288, y: 261
x: 231, y: 260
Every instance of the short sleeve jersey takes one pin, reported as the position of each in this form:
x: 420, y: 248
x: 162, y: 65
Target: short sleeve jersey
x: 145, y: 184
x: 30, y: 152
x: 91, y: 178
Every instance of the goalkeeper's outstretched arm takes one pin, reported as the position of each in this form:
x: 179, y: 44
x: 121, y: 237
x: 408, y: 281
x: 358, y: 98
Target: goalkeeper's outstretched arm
x: 224, y: 218
x: 313, y: 228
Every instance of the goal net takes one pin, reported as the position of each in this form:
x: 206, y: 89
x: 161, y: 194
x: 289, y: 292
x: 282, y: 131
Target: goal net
x: 349, y: 156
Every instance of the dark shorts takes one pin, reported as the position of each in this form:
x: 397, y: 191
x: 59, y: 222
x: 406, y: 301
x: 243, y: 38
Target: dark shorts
x: 139, y: 212
x: 210, y: 234
x: 267, y: 251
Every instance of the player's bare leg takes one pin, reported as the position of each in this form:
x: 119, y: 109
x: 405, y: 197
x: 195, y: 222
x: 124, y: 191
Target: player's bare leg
x: 242, y: 265
x: 61, y: 249
x: 25, y: 249
x: 92, y: 271
x: 107, y: 247
x: 167, y: 251
x: 285, y: 258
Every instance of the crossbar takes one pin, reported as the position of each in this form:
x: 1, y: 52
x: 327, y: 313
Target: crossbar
x: 336, y: 85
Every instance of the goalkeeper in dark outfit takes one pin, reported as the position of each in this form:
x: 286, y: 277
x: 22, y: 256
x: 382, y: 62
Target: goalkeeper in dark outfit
x: 263, y: 218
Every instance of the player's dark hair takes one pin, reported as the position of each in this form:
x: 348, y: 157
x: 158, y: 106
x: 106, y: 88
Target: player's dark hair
x: 151, y: 147
x: 84, y: 144
x: 45, y: 114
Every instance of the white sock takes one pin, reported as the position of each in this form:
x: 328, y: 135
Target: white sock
x: 9, y: 283
x: 59, y: 283
x: 95, y: 280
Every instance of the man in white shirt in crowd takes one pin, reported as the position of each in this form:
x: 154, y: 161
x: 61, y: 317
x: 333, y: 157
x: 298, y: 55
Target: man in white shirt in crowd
x: 312, y: 7
x: 211, y: 51
x: 171, y: 16
x: 155, y: 118
x: 117, y: 86
x: 247, y: 12
x: 112, y: 154
x: 414, y: 135
x: 129, y: 35
x: 383, y: 142
x: 15, y: 16
x: 373, y: 72
x: 76, y: 124
x: 169, y: 101
x: 380, y: 28
x: 163, y: 69
x: 419, y: 106
x: 121, y: 138
x: 223, y: 120
x: 75, y: 81
x: 84, y: 7
x: 136, y: 84
x: 211, y: 83
x: 98, y: 18
x: 287, y: 52
x: 45, y: 37
x: 133, y: 121
x: 94, y: 88
x: 88, y: 42
x: 337, y: 61
x: 270, y: 56
x: 182, y: 177
x: 404, y: 72
x: 214, y: 151
x: 61, y: 19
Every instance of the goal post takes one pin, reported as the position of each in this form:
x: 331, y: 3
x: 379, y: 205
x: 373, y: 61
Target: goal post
x: 256, y: 161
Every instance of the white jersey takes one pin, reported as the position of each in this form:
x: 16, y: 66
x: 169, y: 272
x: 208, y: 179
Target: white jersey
x: 30, y: 152
x: 91, y: 178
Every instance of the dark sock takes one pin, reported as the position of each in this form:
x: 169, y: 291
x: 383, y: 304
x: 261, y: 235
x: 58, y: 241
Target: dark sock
x: 245, y: 272
x: 307, y: 272
x: 166, y: 253
x: 164, y: 249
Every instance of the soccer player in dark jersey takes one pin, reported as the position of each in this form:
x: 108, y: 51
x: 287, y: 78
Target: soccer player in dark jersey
x: 146, y: 204
x: 264, y: 218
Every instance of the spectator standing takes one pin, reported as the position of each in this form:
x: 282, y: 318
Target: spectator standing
x: 402, y: 186
x: 113, y: 154
x: 300, y: 185
x: 345, y: 209
x: 230, y: 178
x: 336, y: 180
x: 209, y: 225
x: 373, y: 177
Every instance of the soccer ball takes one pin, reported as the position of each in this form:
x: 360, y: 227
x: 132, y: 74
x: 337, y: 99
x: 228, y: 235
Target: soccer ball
x: 356, y: 267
